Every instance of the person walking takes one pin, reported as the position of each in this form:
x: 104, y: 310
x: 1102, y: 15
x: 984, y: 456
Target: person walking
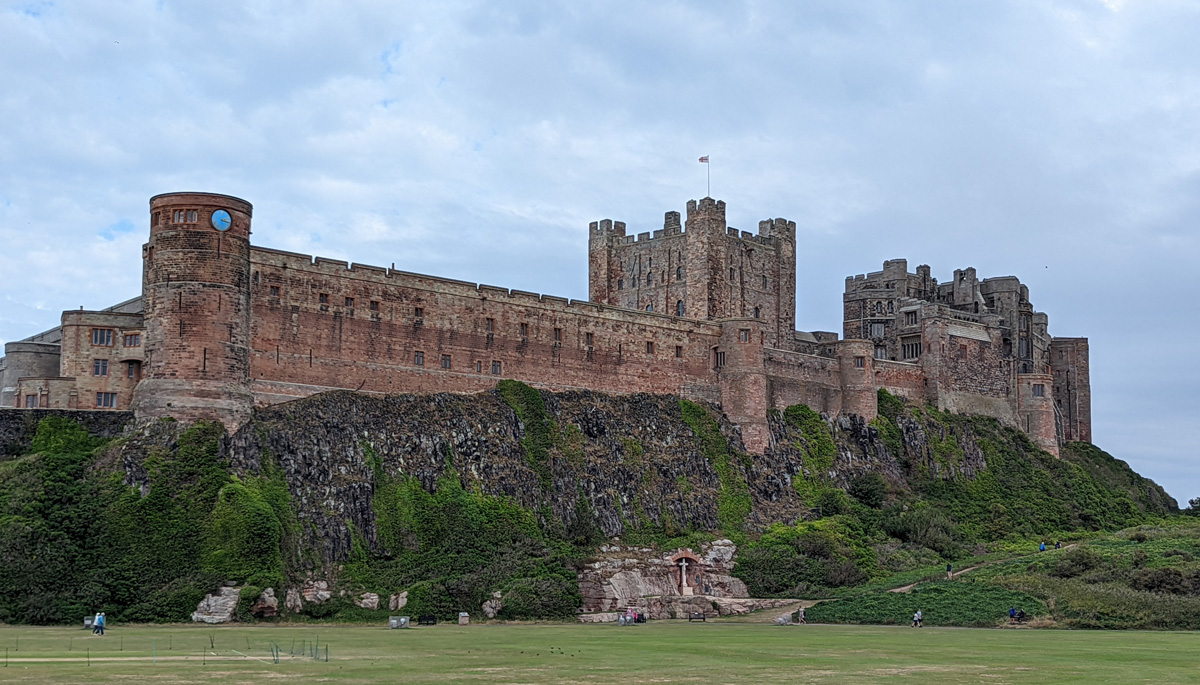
x: 949, y: 572
x: 916, y: 617
x: 1058, y: 544
x: 920, y: 619
x: 101, y: 619
x: 96, y: 624
x: 1042, y: 548
x: 800, y: 616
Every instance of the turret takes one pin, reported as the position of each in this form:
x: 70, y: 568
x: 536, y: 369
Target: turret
x: 196, y: 285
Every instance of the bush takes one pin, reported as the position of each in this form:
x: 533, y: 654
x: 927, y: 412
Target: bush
x: 551, y: 597
x: 1076, y: 562
x: 870, y: 489
x: 928, y: 527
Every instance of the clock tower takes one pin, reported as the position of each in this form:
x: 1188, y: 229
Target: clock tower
x: 196, y: 289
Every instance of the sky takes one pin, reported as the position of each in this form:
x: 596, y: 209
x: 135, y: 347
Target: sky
x: 1057, y: 141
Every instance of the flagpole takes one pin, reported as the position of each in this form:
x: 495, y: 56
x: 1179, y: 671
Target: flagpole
x: 708, y: 169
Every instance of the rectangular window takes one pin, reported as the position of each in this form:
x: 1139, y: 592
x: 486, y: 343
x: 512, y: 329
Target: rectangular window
x: 1039, y: 390
x: 419, y: 358
x: 102, y: 337
x: 106, y: 400
x: 764, y: 279
x: 620, y: 284
x: 744, y: 335
x: 374, y: 305
x: 557, y: 335
x: 131, y: 369
x: 649, y: 347
x: 910, y: 318
x: 323, y: 298
x: 910, y: 348
x: 349, y: 303
x: 489, y: 325
x: 880, y: 352
x: 446, y: 361
x: 274, y: 291
x: 720, y: 358
x: 524, y: 330
x: 1024, y: 322
x: 590, y: 339
x: 962, y: 351
x: 133, y: 340
x: 31, y: 401
x: 418, y: 312
x: 1023, y: 348
x: 878, y: 330
x: 679, y: 351
x: 99, y: 367
x: 860, y: 362
x: 496, y: 368
x: 478, y: 367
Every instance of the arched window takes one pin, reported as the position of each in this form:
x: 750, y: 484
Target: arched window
x: 756, y: 312
x: 679, y: 273
x: 679, y: 308
x: 649, y: 307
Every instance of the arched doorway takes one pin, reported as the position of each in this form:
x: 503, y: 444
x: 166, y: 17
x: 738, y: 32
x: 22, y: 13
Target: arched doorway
x: 689, y: 572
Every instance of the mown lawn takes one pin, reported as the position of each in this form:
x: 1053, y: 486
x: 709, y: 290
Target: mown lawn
x: 665, y: 651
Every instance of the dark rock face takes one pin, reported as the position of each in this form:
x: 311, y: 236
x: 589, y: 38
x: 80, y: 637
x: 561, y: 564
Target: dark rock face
x: 17, y: 426
x: 631, y: 457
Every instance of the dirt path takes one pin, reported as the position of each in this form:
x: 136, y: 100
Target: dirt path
x: 910, y: 586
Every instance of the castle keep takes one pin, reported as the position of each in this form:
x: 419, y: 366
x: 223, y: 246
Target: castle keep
x: 695, y: 308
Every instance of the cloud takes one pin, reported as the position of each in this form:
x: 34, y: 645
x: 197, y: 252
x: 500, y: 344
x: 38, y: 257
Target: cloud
x: 1056, y: 141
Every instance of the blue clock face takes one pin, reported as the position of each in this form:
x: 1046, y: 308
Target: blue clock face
x: 221, y: 220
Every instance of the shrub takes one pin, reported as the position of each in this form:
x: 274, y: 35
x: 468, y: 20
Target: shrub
x: 1076, y: 562
x: 928, y: 527
x: 870, y: 489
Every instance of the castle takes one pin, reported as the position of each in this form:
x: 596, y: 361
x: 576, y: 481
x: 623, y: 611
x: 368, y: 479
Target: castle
x: 696, y: 308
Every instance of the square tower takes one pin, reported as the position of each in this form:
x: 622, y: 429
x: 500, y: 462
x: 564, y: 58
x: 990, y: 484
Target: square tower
x: 701, y: 269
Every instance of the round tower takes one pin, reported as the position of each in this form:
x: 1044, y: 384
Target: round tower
x: 856, y: 365
x: 196, y: 289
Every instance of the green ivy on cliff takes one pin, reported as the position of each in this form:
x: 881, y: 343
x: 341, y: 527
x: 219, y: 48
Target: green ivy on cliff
x: 450, y: 549
x: 733, y: 496
x: 539, y: 429
x: 819, y: 452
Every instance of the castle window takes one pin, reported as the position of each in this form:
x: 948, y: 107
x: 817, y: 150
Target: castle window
x: 446, y: 362
x: 374, y: 305
x: 649, y: 307
x: 650, y: 262
x: 877, y: 330
x: 274, y: 291
x: 418, y: 312
x: 1024, y: 322
x: 744, y: 335
x: 679, y: 273
x: 860, y: 362
x: 1039, y: 390
x: 1062, y: 354
x: 524, y: 330
x: 649, y: 347
x: 718, y: 358
x: 349, y: 303
x: 99, y: 367
x: 132, y: 369
x: 496, y: 368
x: 589, y: 339
x: 679, y: 351
x: 255, y: 278
x: 419, y: 358
x: 764, y: 281
x: 489, y: 325
x: 558, y: 335
x: 478, y: 367
x: 880, y: 352
x: 679, y: 308
x: 154, y: 219
x: 106, y: 400
x: 962, y: 351
x: 102, y: 337
x: 620, y: 284
x: 193, y: 216
x: 31, y: 401
x: 756, y: 312
x: 910, y: 348
x: 133, y: 340
x: 1023, y: 348
x: 731, y: 274
x: 910, y: 318
x: 323, y: 298
x: 649, y: 280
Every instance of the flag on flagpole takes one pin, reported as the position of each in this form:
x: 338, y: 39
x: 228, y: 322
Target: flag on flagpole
x: 704, y: 159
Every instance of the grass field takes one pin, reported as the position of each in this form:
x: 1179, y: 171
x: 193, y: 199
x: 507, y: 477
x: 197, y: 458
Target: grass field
x: 665, y: 651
